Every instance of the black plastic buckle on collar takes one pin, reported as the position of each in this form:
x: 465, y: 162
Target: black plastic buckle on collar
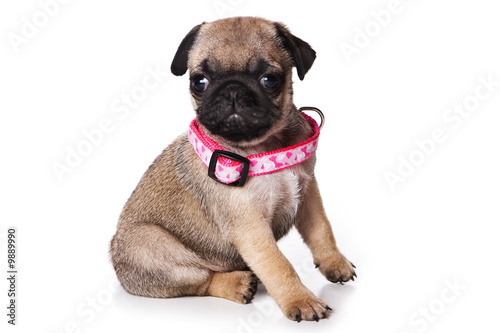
x: 232, y: 156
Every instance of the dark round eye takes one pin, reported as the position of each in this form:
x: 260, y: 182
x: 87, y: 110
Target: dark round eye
x: 269, y: 81
x: 199, y: 83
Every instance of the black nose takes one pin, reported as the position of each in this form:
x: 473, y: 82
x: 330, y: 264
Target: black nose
x: 238, y: 96
x: 233, y: 92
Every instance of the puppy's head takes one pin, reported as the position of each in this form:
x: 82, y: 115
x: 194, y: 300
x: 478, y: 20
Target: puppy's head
x: 240, y: 73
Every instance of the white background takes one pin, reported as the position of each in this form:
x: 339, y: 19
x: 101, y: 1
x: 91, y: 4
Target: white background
x: 437, y: 228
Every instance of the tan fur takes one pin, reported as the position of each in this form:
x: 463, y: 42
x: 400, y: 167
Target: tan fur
x: 237, y: 286
x: 181, y: 233
x: 229, y: 42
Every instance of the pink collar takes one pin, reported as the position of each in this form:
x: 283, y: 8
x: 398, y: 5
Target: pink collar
x: 233, y: 169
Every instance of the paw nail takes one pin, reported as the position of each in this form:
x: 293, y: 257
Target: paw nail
x: 297, y: 318
x: 323, y: 315
x: 247, y: 300
x: 315, y: 318
x: 354, y: 274
x: 352, y: 265
x: 328, y: 308
x: 317, y: 265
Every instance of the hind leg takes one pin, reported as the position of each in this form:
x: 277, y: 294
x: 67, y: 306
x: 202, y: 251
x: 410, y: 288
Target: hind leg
x: 237, y: 286
x: 151, y: 262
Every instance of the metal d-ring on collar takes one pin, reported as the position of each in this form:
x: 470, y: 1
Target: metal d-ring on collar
x: 318, y: 111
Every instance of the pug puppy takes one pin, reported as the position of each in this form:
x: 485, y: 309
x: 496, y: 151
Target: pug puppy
x: 183, y: 234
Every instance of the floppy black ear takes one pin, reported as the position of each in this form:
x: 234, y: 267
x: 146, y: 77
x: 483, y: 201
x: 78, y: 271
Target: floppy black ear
x: 302, y: 54
x: 179, y: 64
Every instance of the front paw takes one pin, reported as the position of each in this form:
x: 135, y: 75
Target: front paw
x: 337, y: 268
x: 305, y: 307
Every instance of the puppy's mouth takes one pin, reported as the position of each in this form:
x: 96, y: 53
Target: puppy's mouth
x: 237, y: 127
x: 237, y: 112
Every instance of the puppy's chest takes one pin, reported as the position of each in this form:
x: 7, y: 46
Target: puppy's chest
x: 278, y: 195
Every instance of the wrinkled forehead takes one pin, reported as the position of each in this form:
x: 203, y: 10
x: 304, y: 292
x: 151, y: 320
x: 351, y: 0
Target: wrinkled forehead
x: 236, y: 46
